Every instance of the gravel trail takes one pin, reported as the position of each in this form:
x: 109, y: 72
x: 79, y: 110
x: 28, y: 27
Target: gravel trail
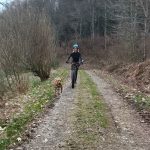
x: 55, y: 127
x: 132, y: 134
x: 126, y: 131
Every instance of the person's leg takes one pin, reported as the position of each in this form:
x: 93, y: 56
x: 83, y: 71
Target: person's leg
x: 72, y: 70
x: 76, y: 75
x: 72, y: 78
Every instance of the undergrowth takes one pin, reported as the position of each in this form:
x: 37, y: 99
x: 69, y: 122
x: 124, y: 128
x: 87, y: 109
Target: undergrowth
x: 42, y: 94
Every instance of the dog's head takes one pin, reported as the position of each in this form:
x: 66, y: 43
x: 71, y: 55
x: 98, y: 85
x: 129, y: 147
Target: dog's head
x: 57, y: 81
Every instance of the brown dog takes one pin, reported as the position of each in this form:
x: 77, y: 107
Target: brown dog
x: 58, y: 86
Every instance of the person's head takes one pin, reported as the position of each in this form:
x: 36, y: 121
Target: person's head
x: 75, y: 48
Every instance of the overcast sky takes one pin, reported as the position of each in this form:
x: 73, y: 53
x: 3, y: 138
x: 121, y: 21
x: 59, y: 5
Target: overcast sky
x: 4, y: 1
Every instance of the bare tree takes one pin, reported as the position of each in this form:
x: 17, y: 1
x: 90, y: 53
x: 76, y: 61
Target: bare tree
x: 27, y: 42
x: 145, y: 5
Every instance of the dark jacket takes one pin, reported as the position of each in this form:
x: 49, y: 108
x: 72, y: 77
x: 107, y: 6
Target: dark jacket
x: 76, y: 57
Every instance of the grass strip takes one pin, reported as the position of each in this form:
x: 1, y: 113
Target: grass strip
x: 90, y: 116
x: 42, y: 94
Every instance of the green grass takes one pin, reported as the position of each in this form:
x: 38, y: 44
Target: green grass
x: 35, y: 83
x: 91, y: 112
x: 142, y: 101
x: 42, y: 94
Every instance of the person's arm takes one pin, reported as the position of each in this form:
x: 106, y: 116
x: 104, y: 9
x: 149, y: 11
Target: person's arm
x: 80, y: 59
x: 68, y: 58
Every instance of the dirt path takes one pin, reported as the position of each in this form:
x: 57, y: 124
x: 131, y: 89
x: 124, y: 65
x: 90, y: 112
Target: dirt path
x: 55, y: 127
x: 133, y: 135
x: 125, y: 132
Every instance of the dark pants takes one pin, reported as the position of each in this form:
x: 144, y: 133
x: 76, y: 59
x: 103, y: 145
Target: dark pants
x: 74, y: 70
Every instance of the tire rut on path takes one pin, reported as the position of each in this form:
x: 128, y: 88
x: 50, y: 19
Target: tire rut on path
x: 133, y: 135
x: 55, y: 128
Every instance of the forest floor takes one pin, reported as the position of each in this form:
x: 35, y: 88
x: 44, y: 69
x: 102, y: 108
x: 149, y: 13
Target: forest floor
x: 92, y: 116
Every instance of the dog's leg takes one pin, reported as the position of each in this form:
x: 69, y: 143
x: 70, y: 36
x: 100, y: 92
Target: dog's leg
x: 61, y: 88
x: 59, y: 91
x: 55, y: 91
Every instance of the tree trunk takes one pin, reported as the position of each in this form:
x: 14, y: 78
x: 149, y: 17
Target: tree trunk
x: 93, y: 23
x: 105, y: 27
x: 145, y: 34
